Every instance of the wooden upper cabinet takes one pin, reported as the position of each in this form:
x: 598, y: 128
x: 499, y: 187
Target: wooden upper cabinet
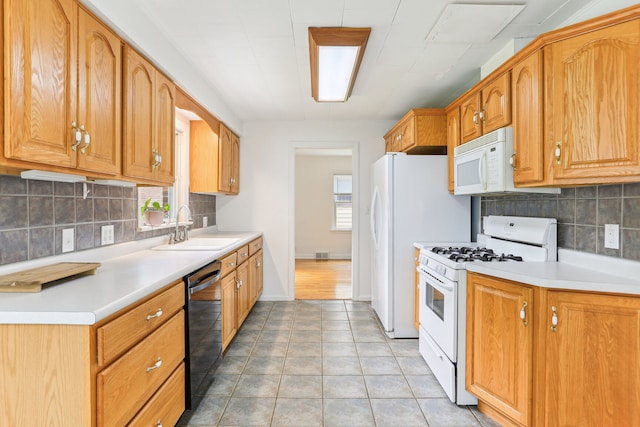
x: 470, y: 126
x: 99, y: 96
x: 420, y: 131
x: 593, y: 82
x: 139, y: 116
x: 453, y: 140
x: 203, y: 156
x: 149, y: 123
x: 500, y: 345
x: 591, y: 374
x: 229, y: 161
x: 528, y: 102
x: 487, y: 109
x: 40, y: 80
x: 165, y: 128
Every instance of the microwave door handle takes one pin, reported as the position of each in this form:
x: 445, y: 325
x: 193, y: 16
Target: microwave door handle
x: 482, y: 170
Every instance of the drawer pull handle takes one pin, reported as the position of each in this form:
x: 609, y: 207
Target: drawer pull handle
x: 554, y: 318
x: 156, y: 315
x: 231, y: 264
x: 523, y: 314
x: 155, y: 366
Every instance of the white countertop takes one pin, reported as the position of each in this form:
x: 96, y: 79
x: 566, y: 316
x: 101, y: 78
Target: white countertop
x: 573, y: 271
x: 129, y: 272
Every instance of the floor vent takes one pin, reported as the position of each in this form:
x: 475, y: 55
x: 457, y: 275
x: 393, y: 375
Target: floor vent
x: 322, y: 255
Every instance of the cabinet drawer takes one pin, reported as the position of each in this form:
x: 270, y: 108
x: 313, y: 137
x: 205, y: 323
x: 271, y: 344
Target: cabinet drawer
x: 166, y: 406
x: 229, y: 263
x: 243, y: 254
x: 125, y: 386
x: 117, y: 336
x: 255, y: 245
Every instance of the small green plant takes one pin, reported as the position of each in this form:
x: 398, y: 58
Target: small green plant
x: 154, y: 207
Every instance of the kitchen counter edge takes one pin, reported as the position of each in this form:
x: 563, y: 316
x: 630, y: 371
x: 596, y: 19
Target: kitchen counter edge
x: 120, y: 282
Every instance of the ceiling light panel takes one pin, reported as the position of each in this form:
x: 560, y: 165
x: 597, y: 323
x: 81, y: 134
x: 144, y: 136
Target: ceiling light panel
x: 459, y: 23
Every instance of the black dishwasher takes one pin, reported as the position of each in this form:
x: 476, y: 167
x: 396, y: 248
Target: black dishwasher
x: 203, y: 330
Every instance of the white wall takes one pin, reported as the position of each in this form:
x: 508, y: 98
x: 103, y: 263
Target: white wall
x: 314, y: 207
x: 266, y: 190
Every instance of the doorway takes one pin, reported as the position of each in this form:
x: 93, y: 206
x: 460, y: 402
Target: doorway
x: 324, y: 207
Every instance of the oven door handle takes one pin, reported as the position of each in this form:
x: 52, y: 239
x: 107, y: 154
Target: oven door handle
x: 433, y: 281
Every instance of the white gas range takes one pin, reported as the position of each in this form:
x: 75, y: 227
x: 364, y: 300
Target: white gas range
x: 443, y: 289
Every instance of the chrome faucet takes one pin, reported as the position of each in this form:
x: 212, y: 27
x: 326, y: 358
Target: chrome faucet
x: 180, y: 233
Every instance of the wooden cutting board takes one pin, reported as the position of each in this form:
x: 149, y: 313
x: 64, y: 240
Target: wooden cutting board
x: 33, y: 279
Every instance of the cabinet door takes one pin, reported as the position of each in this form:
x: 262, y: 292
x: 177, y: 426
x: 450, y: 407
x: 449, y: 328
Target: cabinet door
x: 593, y: 107
x: 225, y: 159
x: 99, y: 95
x: 469, y: 118
x: 592, y: 375
x: 406, y: 134
x: 528, y: 120
x: 165, y: 131
x: 40, y: 38
x: 243, y: 297
x: 255, y: 276
x: 453, y: 140
x: 203, y: 158
x: 139, y: 116
x: 235, y: 164
x: 229, y: 313
x: 499, y: 345
x: 496, y: 104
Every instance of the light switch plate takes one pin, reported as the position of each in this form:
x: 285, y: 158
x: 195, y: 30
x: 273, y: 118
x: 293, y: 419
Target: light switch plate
x: 612, y: 236
x: 68, y: 239
x: 205, y: 221
x: 106, y: 233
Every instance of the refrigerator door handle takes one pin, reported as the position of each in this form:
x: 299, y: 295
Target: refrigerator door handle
x: 373, y: 218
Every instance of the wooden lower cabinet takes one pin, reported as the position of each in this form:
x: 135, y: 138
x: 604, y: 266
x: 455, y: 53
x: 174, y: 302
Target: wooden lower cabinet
x: 499, y: 346
x: 51, y: 374
x: 243, y: 289
x: 575, y: 362
x: 229, y: 309
x: 589, y: 373
x: 255, y: 276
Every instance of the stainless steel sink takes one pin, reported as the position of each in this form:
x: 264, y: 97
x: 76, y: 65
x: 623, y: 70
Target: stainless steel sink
x: 200, y: 244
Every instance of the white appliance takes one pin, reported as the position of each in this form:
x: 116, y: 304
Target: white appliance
x: 409, y: 202
x: 443, y: 289
x: 485, y: 166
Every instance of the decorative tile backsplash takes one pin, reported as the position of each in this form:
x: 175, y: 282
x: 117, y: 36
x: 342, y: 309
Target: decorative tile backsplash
x: 34, y: 213
x: 582, y: 213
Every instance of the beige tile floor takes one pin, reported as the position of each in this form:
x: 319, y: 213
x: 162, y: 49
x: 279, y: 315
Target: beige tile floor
x: 324, y: 363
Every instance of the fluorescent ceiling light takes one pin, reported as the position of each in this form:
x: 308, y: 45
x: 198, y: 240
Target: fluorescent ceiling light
x: 51, y: 176
x: 335, y: 55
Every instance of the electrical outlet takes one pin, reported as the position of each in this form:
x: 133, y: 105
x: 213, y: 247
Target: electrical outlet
x: 205, y: 221
x: 106, y: 233
x: 612, y: 236
x: 68, y: 239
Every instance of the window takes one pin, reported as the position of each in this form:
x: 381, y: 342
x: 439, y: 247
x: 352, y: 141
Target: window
x: 342, y: 202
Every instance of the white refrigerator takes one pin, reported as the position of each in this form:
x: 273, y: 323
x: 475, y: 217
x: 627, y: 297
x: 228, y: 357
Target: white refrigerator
x: 409, y: 203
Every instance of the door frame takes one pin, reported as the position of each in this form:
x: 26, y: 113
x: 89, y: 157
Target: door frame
x: 355, y: 198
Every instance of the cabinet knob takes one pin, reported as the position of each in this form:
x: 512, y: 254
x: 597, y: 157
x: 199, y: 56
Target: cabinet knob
x: 159, y: 423
x: 483, y: 113
x: 258, y: 264
x: 557, y: 153
x: 157, y: 314
x: 87, y: 141
x: 76, y: 135
x: 554, y: 318
x: 523, y: 313
x: 155, y: 365
x: 512, y: 161
x: 475, y: 118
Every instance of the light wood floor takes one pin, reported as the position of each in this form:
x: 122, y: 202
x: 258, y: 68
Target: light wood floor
x: 326, y: 279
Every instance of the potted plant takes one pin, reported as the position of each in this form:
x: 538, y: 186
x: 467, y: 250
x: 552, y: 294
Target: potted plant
x: 153, y: 212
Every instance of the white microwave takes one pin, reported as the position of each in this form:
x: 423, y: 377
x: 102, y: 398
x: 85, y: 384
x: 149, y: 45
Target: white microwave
x: 484, y: 166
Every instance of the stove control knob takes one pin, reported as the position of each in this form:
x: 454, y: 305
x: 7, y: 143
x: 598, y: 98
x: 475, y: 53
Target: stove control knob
x: 441, y: 269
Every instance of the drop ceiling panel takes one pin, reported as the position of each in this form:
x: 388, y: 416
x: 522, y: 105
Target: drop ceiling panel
x: 472, y: 23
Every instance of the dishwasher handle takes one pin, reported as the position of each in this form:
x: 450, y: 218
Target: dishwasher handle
x: 204, y: 277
